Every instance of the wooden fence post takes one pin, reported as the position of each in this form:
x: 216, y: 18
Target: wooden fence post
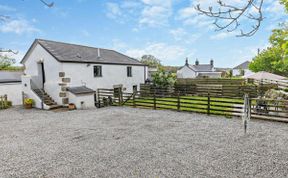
x: 134, y: 103
x: 1, y: 102
x: 119, y: 99
x: 154, y: 100
x: 178, y: 101
x: 208, y: 104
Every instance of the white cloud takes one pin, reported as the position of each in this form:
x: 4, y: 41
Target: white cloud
x: 113, y: 10
x: 223, y: 35
x: 155, y: 16
x: 156, y: 13
x: 118, y: 45
x: 189, y: 16
x: 19, y: 26
x: 166, y: 53
x: 180, y: 34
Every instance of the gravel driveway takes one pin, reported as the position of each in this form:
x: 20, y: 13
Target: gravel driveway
x: 128, y: 142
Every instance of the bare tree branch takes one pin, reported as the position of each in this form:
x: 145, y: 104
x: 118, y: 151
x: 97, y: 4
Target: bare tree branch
x: 227, y: 16
x: 8, y: 51
x: 47, y: 4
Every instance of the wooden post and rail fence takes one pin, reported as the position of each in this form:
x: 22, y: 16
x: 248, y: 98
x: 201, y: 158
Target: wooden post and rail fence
x: 266, y: 109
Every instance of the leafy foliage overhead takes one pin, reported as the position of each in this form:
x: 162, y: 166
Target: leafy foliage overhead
x: 151, y: 61
x: 6, y: 62
x: 275, y: 58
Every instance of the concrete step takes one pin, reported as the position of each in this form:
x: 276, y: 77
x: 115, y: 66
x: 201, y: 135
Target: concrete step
x: 53, y: 107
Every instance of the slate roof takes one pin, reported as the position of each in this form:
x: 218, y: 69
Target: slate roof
x: 10, y: 77
x: 80, y: 90
x: 65, y: 52
x: 202, y: 67
x: 244, y: 65
x: 265, y: 75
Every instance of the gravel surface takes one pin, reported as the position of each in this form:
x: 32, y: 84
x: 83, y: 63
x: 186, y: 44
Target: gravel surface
x: 128, y: 142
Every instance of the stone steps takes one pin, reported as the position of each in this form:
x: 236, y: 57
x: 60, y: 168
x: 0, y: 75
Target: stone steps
x: 47, y: 99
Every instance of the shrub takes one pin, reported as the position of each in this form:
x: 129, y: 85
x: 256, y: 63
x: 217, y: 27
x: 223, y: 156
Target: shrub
x: 28, y: 101
x: 5, y: 104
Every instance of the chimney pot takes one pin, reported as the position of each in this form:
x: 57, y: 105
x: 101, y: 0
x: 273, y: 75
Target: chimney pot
x: 211, y: 62
x: 186, y: 61
x: 196, y: 62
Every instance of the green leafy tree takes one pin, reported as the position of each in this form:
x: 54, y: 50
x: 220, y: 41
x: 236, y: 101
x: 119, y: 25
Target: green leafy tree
x: 6, y: 62
x: 275, y: 58
x: 164, y: 79
x: 151, y: 61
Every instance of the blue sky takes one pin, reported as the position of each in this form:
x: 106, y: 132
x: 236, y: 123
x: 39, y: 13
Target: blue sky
x: 168, y: 29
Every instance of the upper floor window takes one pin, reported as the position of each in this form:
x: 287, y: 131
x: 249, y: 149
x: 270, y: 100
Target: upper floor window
x: 97, y: 71
x: 129, y: 71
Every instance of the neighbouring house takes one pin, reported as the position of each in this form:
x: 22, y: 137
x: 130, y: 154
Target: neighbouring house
x: 151, y: 72
x: 10, y: 85
x: 242, y: 69
x: 58, y: 73
x: 198, y: 70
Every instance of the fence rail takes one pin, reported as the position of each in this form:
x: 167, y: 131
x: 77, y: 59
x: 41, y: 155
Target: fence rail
x: 207, y: 104
x: 282, y: 84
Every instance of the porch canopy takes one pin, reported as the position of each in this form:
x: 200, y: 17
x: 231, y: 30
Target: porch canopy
x: 265, y: 76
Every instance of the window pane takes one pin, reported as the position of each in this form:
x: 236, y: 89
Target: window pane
x: 97, y: 71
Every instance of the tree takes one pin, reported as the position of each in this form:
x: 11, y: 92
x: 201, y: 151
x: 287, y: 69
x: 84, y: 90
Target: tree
x: 151, y: 61
x: 228, y: 16
x: 6, y: 62
x: 275, y: 58
x: 270, y: 60
x: 164, y: 79
x: 228, y: 74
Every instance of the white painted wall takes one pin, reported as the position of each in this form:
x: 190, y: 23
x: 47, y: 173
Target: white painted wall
x: 52, y: 68
x: 13, y: 92
x: 87, y: 99
x: 247, y: 72
x: 186, y: 72
x: 26, y: 88
x: 111, y: 75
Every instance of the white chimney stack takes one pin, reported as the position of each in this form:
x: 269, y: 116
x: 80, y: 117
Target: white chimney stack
x: 99, y: 54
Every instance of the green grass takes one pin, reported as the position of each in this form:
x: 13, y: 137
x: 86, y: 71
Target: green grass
x: 218, y: 106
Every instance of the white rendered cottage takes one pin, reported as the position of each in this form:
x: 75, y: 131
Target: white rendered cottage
x: 198, y: 70
x: 243, y: 66
x: 60, y: 73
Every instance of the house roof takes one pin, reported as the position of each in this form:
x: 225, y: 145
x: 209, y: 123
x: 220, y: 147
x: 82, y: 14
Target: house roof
x: 244, y: 65
x: 80, y: 90
x: 220, y: 69
x: 66, y: 52
x: 265, y: 75
x: 10, y: 76
x: 202, y: 67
